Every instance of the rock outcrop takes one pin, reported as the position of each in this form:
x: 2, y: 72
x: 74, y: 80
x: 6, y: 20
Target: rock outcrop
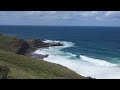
x: 4, y: 70
x: 34, y: 42
x: 39, y: 56
x: 40, y: 44
x: 90, y: 78
x: 24, y: 46
x: 21, y: 46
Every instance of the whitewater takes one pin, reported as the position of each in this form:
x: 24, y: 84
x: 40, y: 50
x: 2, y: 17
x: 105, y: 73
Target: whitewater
x: 83, y: 65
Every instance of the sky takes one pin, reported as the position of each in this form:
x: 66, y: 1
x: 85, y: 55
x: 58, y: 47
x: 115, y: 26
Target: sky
x: 60, y: 18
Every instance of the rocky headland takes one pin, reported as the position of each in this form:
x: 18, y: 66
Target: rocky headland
x: 26, y: 47
x: 17, y: 60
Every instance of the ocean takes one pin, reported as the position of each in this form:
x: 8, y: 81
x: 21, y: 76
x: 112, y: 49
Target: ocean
x: 89, y: 50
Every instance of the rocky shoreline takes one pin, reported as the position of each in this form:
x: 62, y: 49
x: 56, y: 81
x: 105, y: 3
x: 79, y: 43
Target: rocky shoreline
x: 39, y: 56
x: 40, y: 44
x: 27, y: 47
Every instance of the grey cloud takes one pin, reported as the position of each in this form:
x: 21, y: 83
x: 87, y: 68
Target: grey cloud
x: 58, y: 16
x: 112, y: 14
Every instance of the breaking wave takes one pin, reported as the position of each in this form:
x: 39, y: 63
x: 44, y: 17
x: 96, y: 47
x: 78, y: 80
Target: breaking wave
x: 83, y: 65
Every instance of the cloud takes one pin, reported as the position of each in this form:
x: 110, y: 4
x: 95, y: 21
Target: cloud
x: 109, y: 13
x: 98, y: 18
x: 58, y: 17
x: 88, y: 13
x: 113, y: 14
x: 61, y: 14
x: 102, y: 15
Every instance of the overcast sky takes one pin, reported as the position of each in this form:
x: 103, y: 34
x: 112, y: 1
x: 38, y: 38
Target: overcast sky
x: 61, y: 18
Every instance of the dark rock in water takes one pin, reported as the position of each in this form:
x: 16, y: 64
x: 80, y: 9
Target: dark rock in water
x: 90, y: 78
x: 4, y: 70
x: 39, y: 56
x: 56, y: 44
x: 40, y: 44
x: 22, y: 46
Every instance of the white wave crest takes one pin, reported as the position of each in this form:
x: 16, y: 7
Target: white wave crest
x: 96, y: 61
x: 66, y: 44
x: 85, y: 66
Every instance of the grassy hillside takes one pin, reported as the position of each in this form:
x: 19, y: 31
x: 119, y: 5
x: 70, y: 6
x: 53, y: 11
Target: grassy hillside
x: 29, y: 68
x: 5, y: 43
x: 24, y: 67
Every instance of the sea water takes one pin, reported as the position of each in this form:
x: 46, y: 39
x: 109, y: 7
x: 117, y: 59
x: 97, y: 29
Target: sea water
x: 88, y: 50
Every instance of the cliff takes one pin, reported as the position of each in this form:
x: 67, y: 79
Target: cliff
x: 26, y: 67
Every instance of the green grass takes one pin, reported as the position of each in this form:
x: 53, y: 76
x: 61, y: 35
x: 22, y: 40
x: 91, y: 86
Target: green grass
x: 5, y: 43
x: 23, y: 67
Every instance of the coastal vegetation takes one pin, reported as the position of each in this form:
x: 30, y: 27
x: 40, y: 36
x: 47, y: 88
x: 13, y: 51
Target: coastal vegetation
x: 14, y: 56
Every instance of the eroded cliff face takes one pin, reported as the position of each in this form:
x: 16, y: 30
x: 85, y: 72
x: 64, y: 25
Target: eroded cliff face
x: 23, y: 46
x: 40, y: 44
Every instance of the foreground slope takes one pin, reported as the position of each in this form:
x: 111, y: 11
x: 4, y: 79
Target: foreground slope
x: 23, y: 67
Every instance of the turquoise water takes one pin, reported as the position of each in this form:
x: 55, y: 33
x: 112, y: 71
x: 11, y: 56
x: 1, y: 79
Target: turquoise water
x: 98, y: 46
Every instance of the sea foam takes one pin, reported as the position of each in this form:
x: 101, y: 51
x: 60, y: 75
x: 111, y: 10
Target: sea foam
x: 83, y: 65
x: 96, y: 61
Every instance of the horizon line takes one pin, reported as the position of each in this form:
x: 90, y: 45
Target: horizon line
x: 61, y: 25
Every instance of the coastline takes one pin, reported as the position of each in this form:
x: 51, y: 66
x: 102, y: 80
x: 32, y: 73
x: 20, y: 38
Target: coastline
x: 91, y: 52
x: 17, y: 49
x: 37, y: 54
